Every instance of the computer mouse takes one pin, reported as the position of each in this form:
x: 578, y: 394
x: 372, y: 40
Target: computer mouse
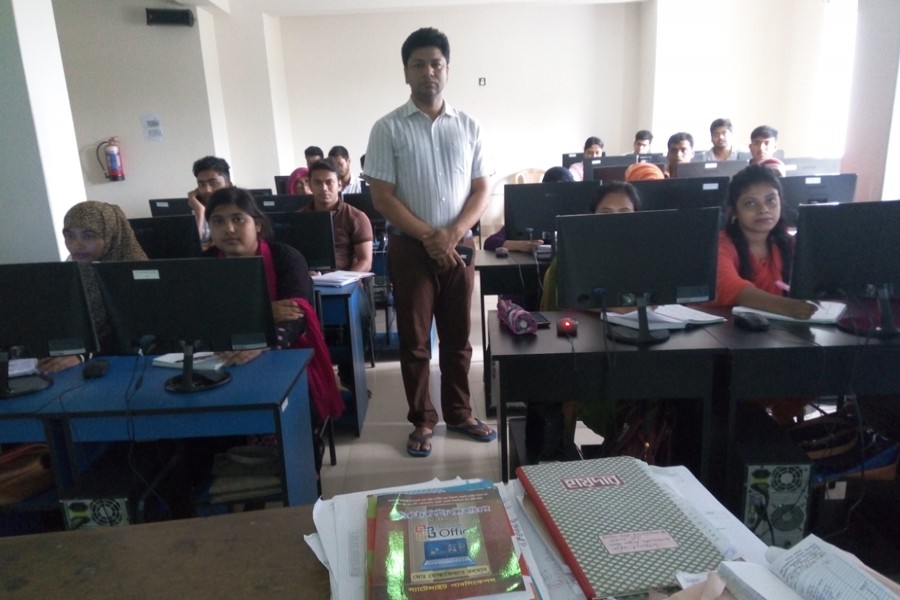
x: 95, y: 368
x: 501, y: 252
x: 750, y: 321
x: 566, y: 326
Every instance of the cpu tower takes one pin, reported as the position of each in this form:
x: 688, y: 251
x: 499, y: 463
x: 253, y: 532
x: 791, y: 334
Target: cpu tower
x: 769, y: 479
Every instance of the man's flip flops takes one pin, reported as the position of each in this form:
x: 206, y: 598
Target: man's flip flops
x: 478, y: 431
x: 423, y: 441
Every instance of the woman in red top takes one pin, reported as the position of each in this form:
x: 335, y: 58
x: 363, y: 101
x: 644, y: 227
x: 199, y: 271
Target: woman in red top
x: 755, y: 249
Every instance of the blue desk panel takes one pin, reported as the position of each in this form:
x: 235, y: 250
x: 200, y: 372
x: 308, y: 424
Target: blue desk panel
x: 341, y: 306
x: 267, y: 395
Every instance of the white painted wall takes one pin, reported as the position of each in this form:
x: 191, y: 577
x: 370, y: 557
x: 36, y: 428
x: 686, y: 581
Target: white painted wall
x: 755, y: 63
x: 39, y: 175
x: 117, y: 68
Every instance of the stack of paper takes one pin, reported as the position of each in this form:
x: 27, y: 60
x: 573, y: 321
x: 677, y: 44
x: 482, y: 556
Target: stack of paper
x: 339, y: 278
x: 667, y: 316
x: 203, y: 361
x: 828, y: 313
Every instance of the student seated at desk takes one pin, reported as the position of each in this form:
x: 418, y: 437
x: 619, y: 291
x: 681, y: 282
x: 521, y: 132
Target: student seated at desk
x: 238, y: 228
x: 298, y: 182
x: 755, y: 249
x: 498, y: 239
x: 95, y: 231
x: 614, y: 197
x: 755, y: 252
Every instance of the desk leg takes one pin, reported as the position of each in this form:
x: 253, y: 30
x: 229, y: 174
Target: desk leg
x: 502, y: 432
x: 294, y: 430
x: 488, y: 400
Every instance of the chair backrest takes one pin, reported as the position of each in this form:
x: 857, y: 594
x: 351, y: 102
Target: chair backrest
x: 529, y: 176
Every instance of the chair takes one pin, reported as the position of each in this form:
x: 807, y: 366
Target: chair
x: 529, y: 176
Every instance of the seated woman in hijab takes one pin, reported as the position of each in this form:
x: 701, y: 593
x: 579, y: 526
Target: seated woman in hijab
x: 95, y: 231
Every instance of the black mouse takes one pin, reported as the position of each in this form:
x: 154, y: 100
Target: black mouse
x: 95, y: 368
x: 750, y: 321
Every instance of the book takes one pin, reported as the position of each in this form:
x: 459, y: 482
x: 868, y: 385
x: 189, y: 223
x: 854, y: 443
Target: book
x: 618, y: 531
x: 828, y: 313
x: 203, y: 361
x: 666, y: 316
x: 809, y: 570
x: 339, y: 278
x: 442, y: 544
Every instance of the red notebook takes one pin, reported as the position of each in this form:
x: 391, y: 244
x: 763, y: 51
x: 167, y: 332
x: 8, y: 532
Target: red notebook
x: 616, y: 528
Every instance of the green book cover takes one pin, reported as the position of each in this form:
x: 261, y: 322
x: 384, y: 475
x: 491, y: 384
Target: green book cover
x: 442, y: 545
x: 617, y: 529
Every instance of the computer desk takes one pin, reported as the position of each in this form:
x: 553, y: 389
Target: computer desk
x: 517, y: 273
x: 241, y: 555
x: 341, y: 306
x: 792, y: 360
x: 268, y: 395
x: 547, y: 368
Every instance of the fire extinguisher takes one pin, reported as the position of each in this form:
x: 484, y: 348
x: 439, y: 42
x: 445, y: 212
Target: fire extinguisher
x: 113, y: 167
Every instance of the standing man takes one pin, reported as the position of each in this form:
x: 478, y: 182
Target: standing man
x: 341, y: 158
x: 720, y: 135
x: 212, y: 173
x: 428, y: 178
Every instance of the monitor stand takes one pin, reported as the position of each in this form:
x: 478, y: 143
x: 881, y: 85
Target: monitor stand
x: 872, y: 317
x: 195, y: 381
x: 642, y: 336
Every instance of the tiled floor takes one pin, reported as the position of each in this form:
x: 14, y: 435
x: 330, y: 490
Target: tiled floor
x: 378, y: 457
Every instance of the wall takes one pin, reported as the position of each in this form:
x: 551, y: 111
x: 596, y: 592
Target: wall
x: 755, y: 63
x: 117, y: 69
x: 554, y: 77
x: 39, y: 175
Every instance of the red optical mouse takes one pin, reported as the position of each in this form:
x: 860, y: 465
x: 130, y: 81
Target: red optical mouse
x: 566, y: 326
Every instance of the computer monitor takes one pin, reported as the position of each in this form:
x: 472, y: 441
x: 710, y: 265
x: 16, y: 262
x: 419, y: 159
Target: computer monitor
x: 805, y: 165
x: 815, y: 189
x: 364, y: 203
x: 260, y: 191
x: 281, y: 184
x: 667, y: 194
x: 592, y: 164
x: 570, y: 158
x: 722, y: 168
x: 168, y: 237
x: 637, y: 259
x: 849, y: 252
x: 170, y: 207
x: 188, y: 305
x: 283, y: 203
x: 312, y: 233
x: 605, y: 174
x: 43, y: 312
x: 530, y: 209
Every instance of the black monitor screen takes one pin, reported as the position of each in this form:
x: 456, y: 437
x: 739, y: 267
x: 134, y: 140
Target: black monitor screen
x: 845, y: 250
x: 570, y: 158
x: 312, y: 233
x: 530, y: 209
x: 667, y: 194
x: 281, y: 184
x: 260, y: 191
x: 168, y: 237
x: 188, y: 305
x: 797, y: 166
x: 283, y: 203
x: 815, y: 189
x: 664, y: 257
x: 43, y: 312
x: 169, y: 207
x: 364, y: 203
x: 722, y: 168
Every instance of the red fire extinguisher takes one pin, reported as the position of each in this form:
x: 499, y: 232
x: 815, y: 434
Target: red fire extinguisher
x: 113, y: 167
